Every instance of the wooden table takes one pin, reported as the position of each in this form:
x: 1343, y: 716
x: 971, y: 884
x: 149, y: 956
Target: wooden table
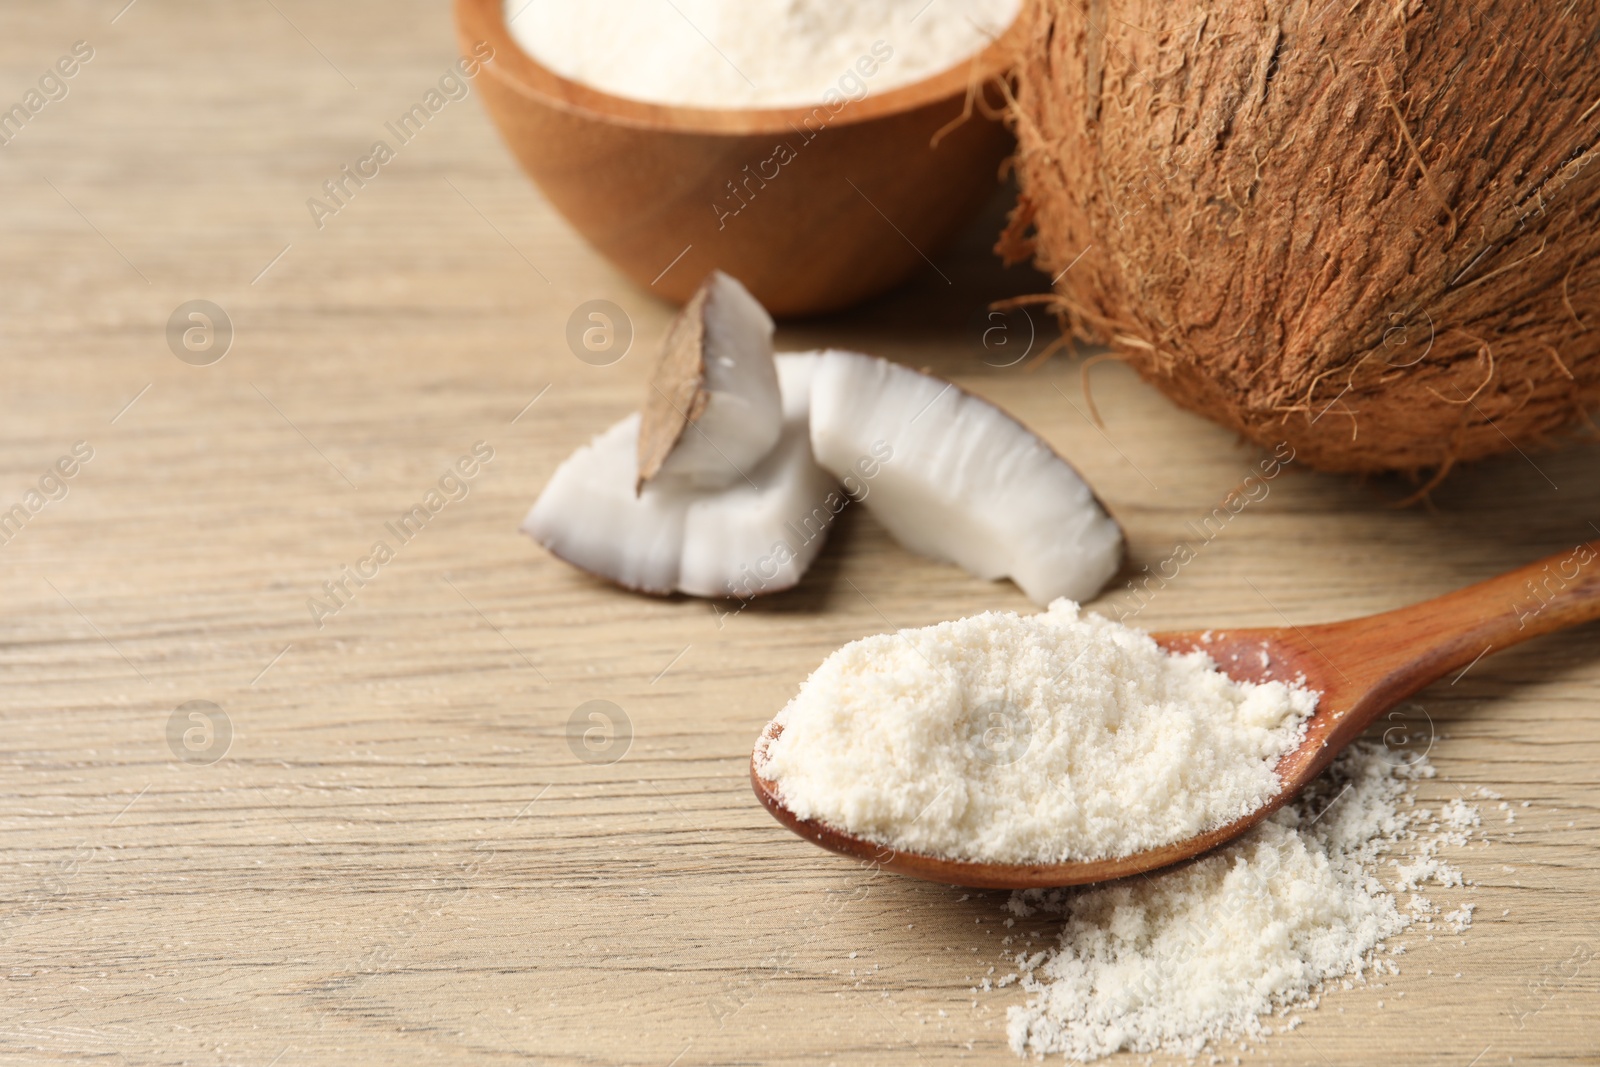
x: 399, y: 858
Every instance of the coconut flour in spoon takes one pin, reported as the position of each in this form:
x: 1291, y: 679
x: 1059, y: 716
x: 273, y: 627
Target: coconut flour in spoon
x: 1044, y: 738
x: 753, y: 53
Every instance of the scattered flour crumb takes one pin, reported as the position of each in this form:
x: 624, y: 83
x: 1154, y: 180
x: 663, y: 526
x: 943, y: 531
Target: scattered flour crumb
x: 1461, y: 919
x: 1213, y: 950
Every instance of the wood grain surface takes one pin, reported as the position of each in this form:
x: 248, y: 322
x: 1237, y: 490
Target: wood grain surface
x: 399, y: 857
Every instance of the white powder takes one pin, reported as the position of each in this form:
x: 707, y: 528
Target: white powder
x: 747, y: 53
x: 1036, y: 738
x: 1205, y: 952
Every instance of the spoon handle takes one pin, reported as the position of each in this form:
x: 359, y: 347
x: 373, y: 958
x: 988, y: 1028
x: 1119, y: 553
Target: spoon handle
x: 1391, y: 656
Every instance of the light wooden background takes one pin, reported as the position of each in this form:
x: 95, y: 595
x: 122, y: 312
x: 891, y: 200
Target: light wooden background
x: 399, y: 859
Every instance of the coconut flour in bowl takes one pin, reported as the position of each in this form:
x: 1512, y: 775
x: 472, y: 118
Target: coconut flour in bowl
x: 753, y: 53
x: 1044, y: 738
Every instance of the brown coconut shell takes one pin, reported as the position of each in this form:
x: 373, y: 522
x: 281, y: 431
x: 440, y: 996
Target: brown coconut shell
x: 1365, y: 228
x: 678, y: 394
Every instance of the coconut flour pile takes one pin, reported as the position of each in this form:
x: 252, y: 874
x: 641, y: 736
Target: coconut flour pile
x: 1183, y: 958
x: 1039, y: 738
x: 748, y: 53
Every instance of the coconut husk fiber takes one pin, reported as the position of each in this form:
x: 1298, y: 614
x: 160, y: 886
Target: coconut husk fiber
x: 1365, y: 228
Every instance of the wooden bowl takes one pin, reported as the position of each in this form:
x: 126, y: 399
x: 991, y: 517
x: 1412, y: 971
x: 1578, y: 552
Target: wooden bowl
x: 813, y: 209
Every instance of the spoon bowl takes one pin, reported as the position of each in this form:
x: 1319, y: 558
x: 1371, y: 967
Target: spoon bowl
x: 1361, y: 667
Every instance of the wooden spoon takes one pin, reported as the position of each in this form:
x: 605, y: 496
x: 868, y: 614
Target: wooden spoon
x: 1362, y: 667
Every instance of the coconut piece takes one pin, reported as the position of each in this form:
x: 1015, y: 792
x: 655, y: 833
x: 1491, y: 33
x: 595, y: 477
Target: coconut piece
x: 713, y: 409
x: 958, y: 479
x: 757, y: 536
x: 760, y: 537
x: 590, y: 515
x: 1341, y: 231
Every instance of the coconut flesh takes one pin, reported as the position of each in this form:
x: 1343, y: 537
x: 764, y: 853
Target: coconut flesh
x: 667, y: 538
x: 711, y: 489
x: 961, y: 480
x: 725, y: 484
x: 713, y: 408
x: 731, y: 539
x: 1366, y: 230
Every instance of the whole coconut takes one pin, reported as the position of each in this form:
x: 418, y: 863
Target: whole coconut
x: 1366, y: 228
